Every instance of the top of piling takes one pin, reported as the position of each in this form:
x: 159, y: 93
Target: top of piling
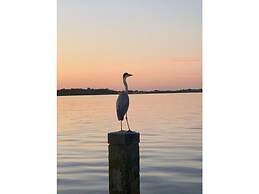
x: 123, y: 137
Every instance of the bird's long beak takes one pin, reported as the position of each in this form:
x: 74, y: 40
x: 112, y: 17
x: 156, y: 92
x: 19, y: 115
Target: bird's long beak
x: 130, y: 75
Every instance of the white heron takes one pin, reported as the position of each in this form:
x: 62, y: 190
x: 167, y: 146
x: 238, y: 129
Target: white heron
x: 122, y: 103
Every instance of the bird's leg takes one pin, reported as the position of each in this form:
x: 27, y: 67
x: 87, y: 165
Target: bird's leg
x: 127, y: 122
x: 121, y: 125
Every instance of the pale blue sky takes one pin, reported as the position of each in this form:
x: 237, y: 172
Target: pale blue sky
x: 126, y: 34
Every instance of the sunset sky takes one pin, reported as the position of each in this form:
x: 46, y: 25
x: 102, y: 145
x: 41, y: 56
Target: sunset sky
x: 158, y: 41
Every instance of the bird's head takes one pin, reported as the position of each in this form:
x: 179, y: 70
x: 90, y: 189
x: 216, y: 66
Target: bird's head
x: 125, y: 75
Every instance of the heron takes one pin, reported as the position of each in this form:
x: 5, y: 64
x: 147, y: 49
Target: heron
x: 122, y: 103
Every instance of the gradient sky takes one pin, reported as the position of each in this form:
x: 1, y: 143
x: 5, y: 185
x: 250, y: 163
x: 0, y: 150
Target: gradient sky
x: 158, y: 41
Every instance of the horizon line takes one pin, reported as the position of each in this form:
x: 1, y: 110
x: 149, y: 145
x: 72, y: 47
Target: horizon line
x: 131, y: 89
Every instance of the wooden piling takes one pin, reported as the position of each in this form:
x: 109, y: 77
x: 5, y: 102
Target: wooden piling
x: 124, y: 162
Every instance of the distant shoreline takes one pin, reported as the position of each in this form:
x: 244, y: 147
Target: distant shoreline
x: 106, y: 91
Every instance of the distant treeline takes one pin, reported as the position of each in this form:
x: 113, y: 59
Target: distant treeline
x: 106, y: 91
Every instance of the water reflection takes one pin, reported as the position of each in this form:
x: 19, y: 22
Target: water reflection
x: 170, y: 148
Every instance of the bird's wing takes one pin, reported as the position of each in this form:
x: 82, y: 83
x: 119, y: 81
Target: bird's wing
x: 122, y: 105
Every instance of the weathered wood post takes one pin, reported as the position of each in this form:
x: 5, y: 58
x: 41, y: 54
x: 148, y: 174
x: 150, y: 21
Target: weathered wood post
x: 124, y: 162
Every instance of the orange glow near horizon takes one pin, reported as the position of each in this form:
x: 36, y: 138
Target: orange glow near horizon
x: 97, y: 43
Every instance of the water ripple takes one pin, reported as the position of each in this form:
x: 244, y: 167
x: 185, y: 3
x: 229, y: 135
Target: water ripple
x: 170, y: 147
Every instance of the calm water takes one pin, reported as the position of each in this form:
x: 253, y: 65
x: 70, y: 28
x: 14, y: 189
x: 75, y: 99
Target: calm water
x: 170, y: 148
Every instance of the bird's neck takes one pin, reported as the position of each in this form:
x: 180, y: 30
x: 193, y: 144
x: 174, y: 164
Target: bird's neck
x: 125, y: 84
